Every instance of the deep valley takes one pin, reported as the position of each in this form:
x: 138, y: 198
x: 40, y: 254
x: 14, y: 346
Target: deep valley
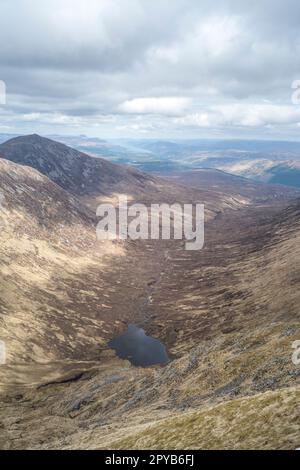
x: 227, y: 315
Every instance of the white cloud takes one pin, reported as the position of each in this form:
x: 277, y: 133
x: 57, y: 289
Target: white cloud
x: 163, y: 105
x: 217, y: 34
x: 243, y: 115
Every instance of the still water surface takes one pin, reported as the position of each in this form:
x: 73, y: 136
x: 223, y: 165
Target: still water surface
x: 141, y: 350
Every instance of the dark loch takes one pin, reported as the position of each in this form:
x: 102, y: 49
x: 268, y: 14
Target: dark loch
x: 141, y: 350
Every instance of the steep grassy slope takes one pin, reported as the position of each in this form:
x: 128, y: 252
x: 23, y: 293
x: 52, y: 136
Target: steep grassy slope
x: 228, y: 315
x: 261, y: 422
x: 62, y: 293
x: 236, y: 306
x: 74, y: 171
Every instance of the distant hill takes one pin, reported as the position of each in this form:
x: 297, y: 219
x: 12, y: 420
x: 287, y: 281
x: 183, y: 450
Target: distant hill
x: 226, y: 183
x: 72, y: 170
x: 94, y: 179
x: 287, y: 174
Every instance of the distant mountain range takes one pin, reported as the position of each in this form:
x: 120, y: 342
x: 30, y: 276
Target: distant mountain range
x: 264, y: 161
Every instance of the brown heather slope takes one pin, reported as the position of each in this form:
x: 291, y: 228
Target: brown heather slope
x: 62, y: 293
x: 263, y: 421
x: 228, y: 315
x: 74, y: 171
x: 238, y: 304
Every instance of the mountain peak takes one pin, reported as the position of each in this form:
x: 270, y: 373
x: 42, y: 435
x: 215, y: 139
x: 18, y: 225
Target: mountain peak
x: 29, y: 139
x: 71, y: 169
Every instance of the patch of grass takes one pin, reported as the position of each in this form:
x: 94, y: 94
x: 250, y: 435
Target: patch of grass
x: 265, y: 421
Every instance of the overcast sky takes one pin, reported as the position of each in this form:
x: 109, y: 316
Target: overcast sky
x: 150, y: 68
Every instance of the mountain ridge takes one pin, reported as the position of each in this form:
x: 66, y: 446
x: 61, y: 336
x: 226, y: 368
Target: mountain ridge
x: 74, y: 171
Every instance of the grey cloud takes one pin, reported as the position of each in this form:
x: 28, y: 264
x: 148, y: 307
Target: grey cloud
x: 85, y: 59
